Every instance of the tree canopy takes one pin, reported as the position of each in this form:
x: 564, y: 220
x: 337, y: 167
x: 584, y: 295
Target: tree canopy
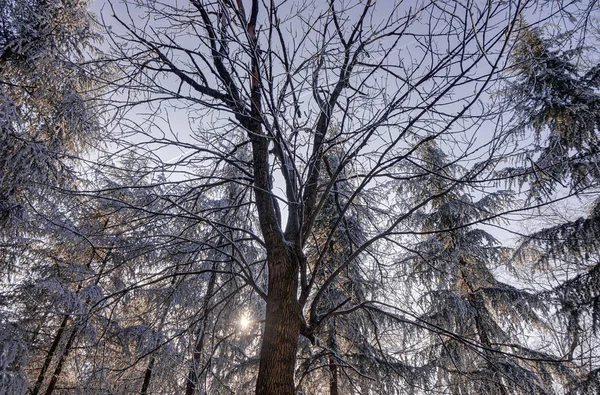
x: 337, y: 197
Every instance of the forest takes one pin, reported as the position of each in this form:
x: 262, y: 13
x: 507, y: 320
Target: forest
x: 312, y: 197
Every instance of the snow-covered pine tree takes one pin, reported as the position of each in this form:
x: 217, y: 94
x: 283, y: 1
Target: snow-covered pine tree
x: 480, y: 331
x: 189, y: 270
x: 51, y: 303
x: 558, y: 96
x: 555, y: 94
x: 347, y: 356
x: 46, y: 112
x: 46, y: 118
x: 222, y: 356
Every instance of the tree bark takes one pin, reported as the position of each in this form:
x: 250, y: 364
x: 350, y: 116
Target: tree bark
x: 282, y: 325
x: 49, y: 356
x: 193, y: 374
x: 283, y: 313
x: 148, y: 376
x: 333, y: 379
x: 61, y: 362
x: 333, y: 363
x: 58, y: 337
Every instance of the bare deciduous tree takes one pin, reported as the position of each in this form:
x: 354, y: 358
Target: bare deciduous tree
x: 373, y: 82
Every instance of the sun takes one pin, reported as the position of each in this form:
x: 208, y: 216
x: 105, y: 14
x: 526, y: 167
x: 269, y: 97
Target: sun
x: 244, y: 322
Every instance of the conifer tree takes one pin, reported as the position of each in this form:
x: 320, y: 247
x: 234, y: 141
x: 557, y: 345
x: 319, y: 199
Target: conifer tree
x: 558, y: 91
x: 47, y: 118
x: 481, y: 337
x: 348, y: 356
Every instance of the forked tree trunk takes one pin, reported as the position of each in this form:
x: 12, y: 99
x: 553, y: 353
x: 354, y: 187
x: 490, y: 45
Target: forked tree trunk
x: 282, y: 326
x: 283, y: 314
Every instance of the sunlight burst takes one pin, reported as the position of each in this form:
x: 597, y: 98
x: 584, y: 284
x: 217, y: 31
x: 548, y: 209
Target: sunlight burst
x: 244, y: 322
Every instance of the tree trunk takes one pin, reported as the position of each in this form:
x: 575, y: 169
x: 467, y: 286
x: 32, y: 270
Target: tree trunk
x: 148, y: 376
x: 152, y: 362
x: 282, y: 325
x: 479, y: 305
x: 333, y: 379
x: 49, y: 356
x: 193, y: 374
x: 58, y: 337
x: 333, y: 363
x: 61, y: 362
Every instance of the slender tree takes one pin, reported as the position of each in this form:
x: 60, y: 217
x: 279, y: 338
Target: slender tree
x: 462, y: 295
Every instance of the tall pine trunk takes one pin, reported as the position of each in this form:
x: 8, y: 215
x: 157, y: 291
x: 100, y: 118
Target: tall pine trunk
x: 148, y: 376
x: 193, y: 374
x: 61, y: 363
x: 333, y: 363
x: 150, y: 367
x: 49, y: 356
x: 58, y: 337
x: 333, y: 379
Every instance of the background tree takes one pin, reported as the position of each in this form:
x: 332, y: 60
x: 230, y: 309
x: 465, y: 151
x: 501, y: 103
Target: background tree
x: 349, y: 356
x: 558, y: 96
x: 463, y: 296
x: 46, y: 118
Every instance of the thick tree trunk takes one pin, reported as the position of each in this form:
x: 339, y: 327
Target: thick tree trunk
x: 283, y: 314
x: 282, y: 326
